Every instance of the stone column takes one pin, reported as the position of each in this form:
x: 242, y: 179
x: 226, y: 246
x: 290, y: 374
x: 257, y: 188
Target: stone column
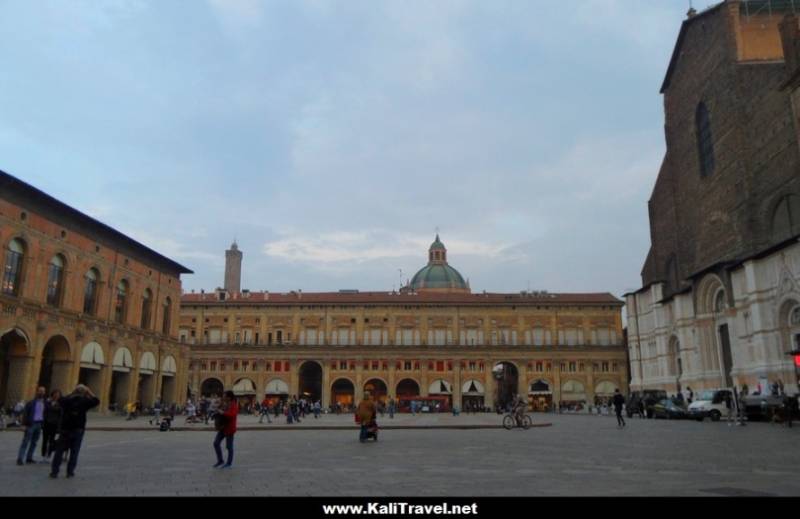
x: 392, y: 381
x: 424, y: 382
x: 325, y: 394
x: 457, y: 382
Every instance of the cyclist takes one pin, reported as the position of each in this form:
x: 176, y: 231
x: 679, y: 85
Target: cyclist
x: 520, y: 405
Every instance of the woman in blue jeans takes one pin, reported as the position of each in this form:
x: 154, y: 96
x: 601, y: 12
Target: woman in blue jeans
x: 230, y: 410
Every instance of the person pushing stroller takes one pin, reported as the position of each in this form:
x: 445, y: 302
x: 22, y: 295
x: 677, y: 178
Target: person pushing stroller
x: 366, y: 414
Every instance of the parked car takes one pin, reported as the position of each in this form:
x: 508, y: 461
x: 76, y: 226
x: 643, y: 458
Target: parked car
x: 670, y: 410
x: 763, y: 408
x: 644, y: 401
x: 710, y: 404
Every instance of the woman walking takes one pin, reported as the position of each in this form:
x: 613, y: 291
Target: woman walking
x: 226, y: 427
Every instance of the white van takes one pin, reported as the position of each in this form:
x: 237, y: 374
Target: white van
x: 710, y: 403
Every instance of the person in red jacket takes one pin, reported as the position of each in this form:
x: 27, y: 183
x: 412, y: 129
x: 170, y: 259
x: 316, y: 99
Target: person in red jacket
x: 226, y: 429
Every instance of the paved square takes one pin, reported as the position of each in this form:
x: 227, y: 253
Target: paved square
x: 578, y: 455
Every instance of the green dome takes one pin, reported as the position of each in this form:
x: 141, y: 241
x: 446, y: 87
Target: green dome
x: 438, y: 276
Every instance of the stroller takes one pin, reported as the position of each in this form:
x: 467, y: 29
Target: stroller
x: 166, y: 424
x: 372, y: 430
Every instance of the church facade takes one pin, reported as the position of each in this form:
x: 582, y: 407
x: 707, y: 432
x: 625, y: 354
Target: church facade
x: 720, y: 299
x: 434, y: 339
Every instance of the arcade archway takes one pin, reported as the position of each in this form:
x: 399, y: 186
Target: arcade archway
x: 506, y: 377
x: 13, y: 354
x: 377, y: 388
x: 342, y: 393
x: 212, y: 387
x: 54, y: 371
x: 311, y: 381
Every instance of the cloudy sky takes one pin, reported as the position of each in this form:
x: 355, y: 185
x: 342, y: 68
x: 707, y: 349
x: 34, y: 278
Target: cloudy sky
x: 332, y: 138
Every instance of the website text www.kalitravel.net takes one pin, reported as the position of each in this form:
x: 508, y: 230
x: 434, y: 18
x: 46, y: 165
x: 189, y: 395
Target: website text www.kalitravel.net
x: 400, y: 509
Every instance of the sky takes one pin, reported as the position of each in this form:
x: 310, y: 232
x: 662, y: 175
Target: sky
x: 332, y: 139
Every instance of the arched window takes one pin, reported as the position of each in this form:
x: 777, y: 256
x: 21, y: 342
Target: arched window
x: 167, y: 315
x: 147, y: 308
x: 786, y: 218
x: 705, y: 143
x: 794, y: 318
x: 120, y: 306
x: 90, y: 292
x: 12, y: 270
x: 55, y: 280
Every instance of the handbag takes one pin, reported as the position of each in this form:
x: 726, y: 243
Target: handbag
x: 220, y: 420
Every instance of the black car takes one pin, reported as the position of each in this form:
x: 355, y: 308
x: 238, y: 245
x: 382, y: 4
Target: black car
x: 643, y: 402
x: 764, y: 407
x: 670, y: 410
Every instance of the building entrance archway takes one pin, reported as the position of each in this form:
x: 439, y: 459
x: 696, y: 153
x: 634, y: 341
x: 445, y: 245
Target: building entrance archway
x: 342, y: 394
x: 376, y: 388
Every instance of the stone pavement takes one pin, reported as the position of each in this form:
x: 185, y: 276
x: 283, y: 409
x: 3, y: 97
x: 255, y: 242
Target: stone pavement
x: 578, y: 455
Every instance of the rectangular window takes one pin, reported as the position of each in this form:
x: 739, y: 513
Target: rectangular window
x: 375, y: 365
x: 407, y: 366
x: 278, y: 367
x: 279, y: 336
x: 538, y: 336
x: 343, y: 365
x: 605, y: 367
x: 539, y: 367
x: 439, y: 365
x: 572, y: 367
x: 472, y: 366
x: 213, y: 366
x: 286, y: 366
x: 268, y: 366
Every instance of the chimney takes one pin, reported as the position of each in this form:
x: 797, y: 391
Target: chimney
x: 691, y: 13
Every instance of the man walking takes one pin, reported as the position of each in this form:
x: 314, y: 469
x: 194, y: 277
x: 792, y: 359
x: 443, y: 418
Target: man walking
x: 73, y: 426
x: 317, y: 409
x: 619, y: 401
x: 32, y: 419
x: 391, y: 407
x: 157, y: 412
x: 264, y: 412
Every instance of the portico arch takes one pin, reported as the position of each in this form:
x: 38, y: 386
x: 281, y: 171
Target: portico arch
x: 14, y: 365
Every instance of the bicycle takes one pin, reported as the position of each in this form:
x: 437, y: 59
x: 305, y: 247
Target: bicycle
x: 510, y: 421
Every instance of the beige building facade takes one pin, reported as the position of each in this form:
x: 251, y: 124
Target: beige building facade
x: 432, y: 339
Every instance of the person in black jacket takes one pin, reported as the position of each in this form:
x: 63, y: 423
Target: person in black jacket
x: 52, y: 421
x: 73, y: 425
x: 619, y: 401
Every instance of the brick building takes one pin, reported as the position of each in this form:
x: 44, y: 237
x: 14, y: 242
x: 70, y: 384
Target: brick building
x: 80, y: 301
x: 433, y: 338
x: 720, y: 297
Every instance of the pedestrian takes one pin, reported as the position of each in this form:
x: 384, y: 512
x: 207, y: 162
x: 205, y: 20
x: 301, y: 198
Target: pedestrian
x: 32, y: 418
x: 225, y: 424
x: 729, y: 405
x: 365, y: 415
x: 52, y: 420
x: 73, y: 425
x: 264, y: 411
x: 317, y: 409
x: 19, y: 409
x: 157, y: 412
x: 618, y: 402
